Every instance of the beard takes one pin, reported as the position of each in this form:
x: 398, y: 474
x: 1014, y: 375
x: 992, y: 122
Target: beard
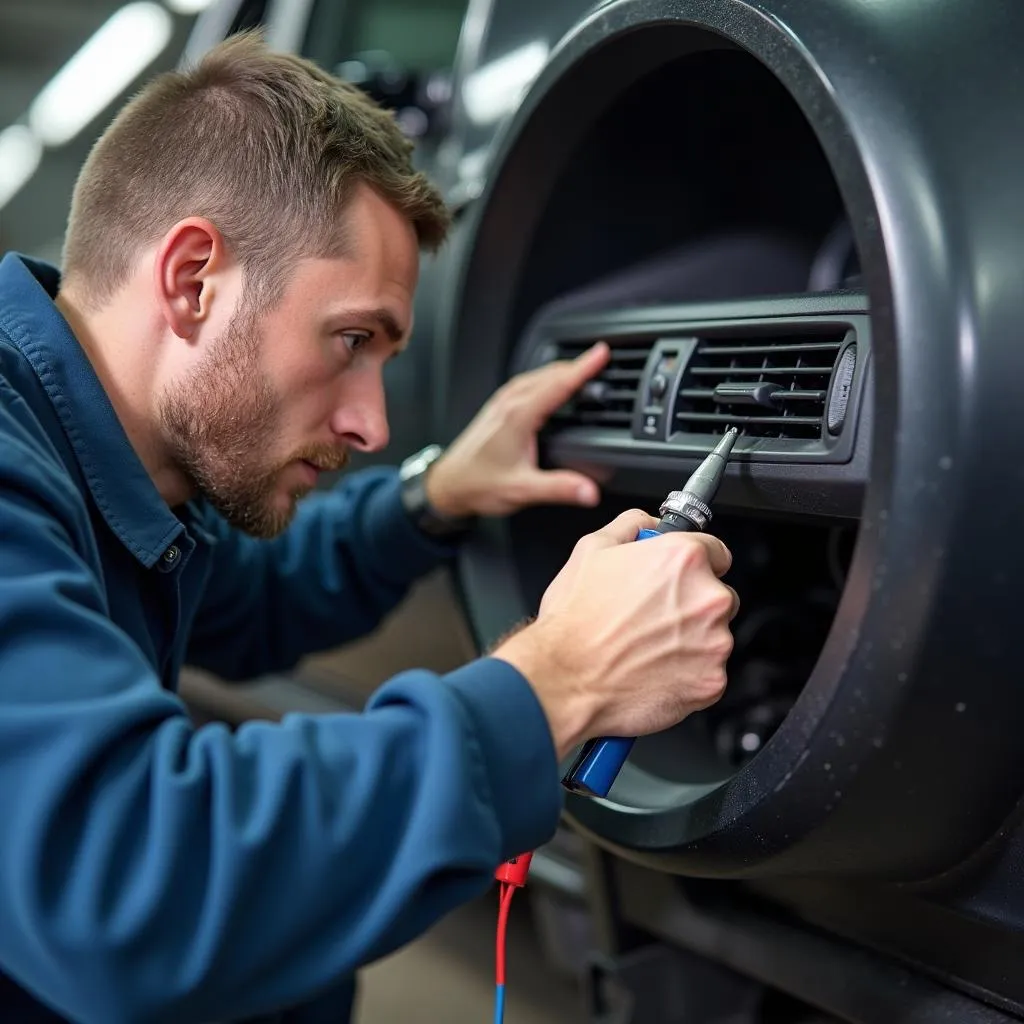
x: 221, y: 422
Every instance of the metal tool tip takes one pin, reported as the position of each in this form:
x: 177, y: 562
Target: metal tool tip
x: 724, y: 447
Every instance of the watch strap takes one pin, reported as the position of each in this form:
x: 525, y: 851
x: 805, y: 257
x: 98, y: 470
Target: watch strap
x: 429, y: 520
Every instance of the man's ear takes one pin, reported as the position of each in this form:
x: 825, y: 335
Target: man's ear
x: 188, y: 260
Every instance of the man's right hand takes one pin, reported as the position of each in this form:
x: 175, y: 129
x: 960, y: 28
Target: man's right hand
x: 630, y: 638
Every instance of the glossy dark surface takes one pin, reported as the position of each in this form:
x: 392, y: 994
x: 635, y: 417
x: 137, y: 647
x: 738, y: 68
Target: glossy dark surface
x: 902, y: 756
x: 884, y: 808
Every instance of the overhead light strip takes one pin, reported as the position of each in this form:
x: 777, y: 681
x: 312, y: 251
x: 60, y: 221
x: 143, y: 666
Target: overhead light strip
x: 188, y: 6
x: 110, y: 60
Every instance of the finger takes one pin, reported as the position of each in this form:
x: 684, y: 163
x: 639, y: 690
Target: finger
x: 590, y: 361
x: 555, y: 384
x: 560, y: 487
x: 718, y: 555
x: 623, y: 529
x: 735, y: 609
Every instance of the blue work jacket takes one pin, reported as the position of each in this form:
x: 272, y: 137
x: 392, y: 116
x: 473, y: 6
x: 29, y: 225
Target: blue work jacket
x: 151, y: 871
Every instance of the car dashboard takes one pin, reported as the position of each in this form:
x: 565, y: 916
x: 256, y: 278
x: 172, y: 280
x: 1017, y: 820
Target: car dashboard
x: 774, y: 216
x: 801, y: 220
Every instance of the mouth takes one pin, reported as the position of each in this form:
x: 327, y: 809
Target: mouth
x: 318, y: 459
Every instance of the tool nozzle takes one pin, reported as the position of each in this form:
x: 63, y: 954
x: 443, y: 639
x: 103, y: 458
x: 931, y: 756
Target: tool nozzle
x: 707, y: 477
x: 724, y: 447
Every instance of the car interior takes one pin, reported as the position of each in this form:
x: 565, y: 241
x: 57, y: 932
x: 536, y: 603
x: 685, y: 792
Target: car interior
x: 776, y: 217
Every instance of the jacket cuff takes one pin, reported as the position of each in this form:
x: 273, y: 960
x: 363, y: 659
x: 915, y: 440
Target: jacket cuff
x: 395, y: 537
x: 517, y: 750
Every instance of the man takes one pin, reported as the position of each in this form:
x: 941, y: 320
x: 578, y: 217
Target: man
x: 240, y: 262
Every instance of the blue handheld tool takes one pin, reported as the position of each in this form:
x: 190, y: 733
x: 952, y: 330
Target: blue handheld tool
x: 599, y: 761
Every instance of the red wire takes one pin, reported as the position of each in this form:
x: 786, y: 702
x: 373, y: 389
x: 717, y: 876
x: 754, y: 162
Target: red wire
x: 505, y: 895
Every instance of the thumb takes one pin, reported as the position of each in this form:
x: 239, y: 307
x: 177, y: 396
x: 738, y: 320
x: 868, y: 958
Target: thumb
x: 561, y: 487
x: 621, y: 530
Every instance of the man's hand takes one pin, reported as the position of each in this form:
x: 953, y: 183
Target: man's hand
x: 630, y: 638
x: 491, y: 468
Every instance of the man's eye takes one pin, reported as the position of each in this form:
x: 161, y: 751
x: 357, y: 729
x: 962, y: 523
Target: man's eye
x: 354, y: 340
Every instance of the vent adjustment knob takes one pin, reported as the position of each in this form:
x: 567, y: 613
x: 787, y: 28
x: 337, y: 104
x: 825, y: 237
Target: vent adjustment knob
x: 757, y: 393
x: 842, y: 382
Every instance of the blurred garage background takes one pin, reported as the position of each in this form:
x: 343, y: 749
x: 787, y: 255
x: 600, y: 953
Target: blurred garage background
x: 65, y: 68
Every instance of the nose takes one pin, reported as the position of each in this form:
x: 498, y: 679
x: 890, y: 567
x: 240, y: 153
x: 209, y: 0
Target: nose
x: 360, y: 419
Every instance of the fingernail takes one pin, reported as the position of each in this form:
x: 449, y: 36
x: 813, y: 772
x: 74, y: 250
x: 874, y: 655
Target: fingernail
x: 587, y: 495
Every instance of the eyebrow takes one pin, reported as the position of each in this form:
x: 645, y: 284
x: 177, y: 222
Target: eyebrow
x: 384, y: 318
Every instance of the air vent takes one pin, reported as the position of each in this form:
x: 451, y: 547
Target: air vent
x: 768, y: 385
x: 607, y: 400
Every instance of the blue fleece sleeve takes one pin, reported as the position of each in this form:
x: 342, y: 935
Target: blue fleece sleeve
x: 152, y: 872
x: 348, y: 558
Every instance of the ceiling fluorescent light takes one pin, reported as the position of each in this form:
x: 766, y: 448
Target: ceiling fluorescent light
x: 188, y: 6
x: 124, y: 46
x: 20, y: 152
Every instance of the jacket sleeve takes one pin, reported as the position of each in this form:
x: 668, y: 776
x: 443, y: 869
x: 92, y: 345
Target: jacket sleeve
x: 348, y: 558
x: 154, y: 872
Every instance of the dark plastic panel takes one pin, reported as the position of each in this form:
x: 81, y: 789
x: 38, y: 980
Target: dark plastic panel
x: 860, y: 773
x: 903, y: 759
x: 863, y: 985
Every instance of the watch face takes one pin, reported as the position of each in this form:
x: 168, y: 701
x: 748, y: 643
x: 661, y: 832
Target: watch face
x: 420, y: 462
x: 414, y: 498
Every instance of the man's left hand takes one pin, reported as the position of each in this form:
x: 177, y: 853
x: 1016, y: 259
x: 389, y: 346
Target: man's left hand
x: 491, y: 467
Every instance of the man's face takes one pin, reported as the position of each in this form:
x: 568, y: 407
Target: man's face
x: 278, y: 399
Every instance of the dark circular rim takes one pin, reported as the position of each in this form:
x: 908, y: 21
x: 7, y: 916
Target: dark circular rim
x: 841, y: 720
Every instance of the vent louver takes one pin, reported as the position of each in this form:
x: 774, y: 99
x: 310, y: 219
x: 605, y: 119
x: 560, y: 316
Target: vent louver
x: 607, y: 400
x: 768, y: 385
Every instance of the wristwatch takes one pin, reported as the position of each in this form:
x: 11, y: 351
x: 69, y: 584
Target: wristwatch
x: 413, y: 475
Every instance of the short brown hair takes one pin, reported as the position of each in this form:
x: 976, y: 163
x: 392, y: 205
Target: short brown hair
x: 267, y: 146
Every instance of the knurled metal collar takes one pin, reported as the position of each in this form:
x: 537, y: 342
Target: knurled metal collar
x: 686, y: 503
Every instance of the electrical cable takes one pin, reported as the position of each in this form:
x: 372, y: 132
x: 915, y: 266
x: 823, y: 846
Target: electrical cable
x: 511, y: 875
x: 505, y: 895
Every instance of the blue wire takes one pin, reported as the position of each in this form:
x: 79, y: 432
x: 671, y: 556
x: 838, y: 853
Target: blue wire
x: 499, y: 1005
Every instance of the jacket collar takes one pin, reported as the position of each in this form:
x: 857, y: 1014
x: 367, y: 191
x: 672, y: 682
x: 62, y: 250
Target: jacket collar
x: 123, y: 491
